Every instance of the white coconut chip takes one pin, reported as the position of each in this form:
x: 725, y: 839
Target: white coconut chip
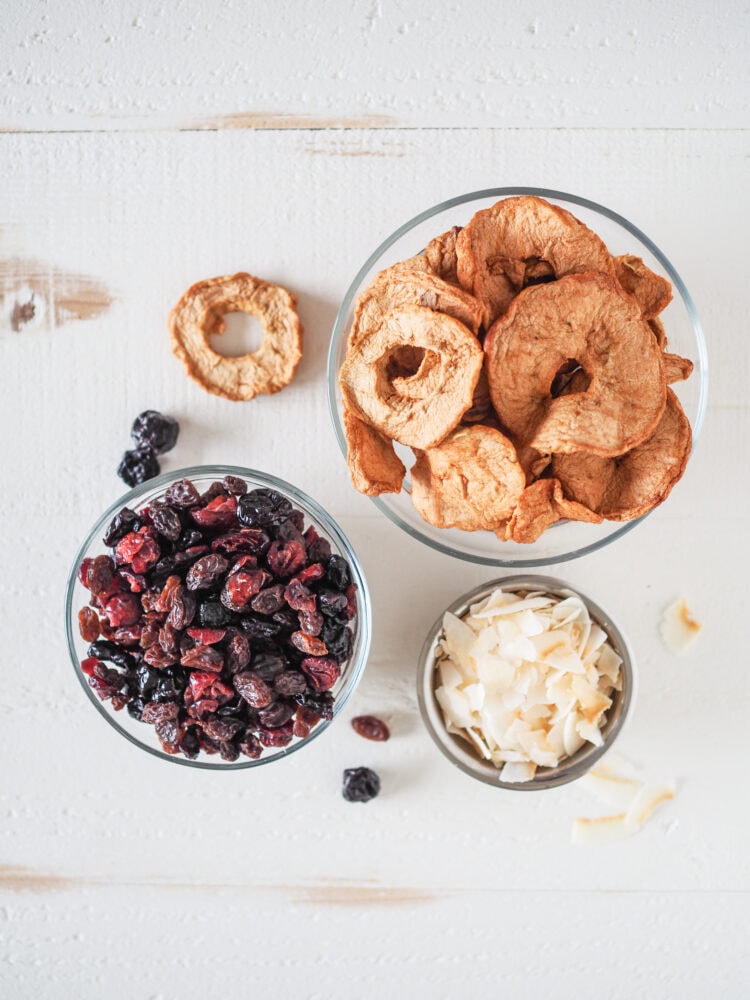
x: 635, y: 800
x: 679, y: 629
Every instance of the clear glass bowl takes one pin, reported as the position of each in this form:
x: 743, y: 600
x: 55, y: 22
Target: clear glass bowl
x: 562, y: 541
x: 458, y: 751
x: 77, y: 596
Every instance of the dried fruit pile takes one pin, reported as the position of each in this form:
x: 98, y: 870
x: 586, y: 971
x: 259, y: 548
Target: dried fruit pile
x: 526, y: 368
x: 220, y: 618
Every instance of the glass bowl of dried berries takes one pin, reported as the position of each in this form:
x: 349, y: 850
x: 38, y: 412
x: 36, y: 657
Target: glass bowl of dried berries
x: 217, y: 617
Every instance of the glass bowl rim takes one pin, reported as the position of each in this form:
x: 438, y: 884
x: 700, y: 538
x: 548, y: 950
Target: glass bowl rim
x: 485, y: 772
x: 261, y: 479
x: 340, y: 330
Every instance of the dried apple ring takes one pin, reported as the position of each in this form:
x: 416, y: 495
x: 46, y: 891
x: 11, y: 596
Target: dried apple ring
x: 624, y: 488
x: 412, y: 375
x: 199, y: 313
x: 472, y: 480
x: 523, y: 241
x: 584, y: 318
x: 542, y: 504
x: 652, y: 292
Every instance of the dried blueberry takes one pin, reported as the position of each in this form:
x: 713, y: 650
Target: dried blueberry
x: 263, y: 507
x: 121, y: 524
x: 153, y: 430
x: 360, y: 784
x: 337, y: 572
x: 138, y: 465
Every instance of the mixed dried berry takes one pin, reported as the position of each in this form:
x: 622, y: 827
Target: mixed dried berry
x: 360, y: 784
x: 219, y: 618
x: 371, y: 728
x: 153, y: 434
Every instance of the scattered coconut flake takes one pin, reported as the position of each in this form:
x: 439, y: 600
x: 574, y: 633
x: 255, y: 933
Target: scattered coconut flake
x: 519, y: 677
x: 636, y: 801
x: 679, y: 628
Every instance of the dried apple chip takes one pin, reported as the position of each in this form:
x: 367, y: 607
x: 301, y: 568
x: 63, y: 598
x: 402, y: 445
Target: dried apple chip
x: 472, y: 480
x: 628, y: 486
x: 374, y: 466
x: 522, y: 241
x: 413, y: 375
x: 584, y: 318
x: 652, y: 292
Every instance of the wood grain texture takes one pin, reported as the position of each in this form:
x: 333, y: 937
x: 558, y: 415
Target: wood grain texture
x: 91, y: 65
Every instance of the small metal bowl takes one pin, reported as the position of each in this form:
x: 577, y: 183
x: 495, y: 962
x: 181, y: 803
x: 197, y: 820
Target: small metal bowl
x: 458, y: 750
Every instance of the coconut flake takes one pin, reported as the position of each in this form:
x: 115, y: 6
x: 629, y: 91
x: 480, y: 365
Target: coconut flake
x: 679, y: 629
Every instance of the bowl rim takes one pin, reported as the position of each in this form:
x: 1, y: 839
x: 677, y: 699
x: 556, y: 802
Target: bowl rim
x: 340, y: 330
x: 354, y: 669
x: 570, y: 768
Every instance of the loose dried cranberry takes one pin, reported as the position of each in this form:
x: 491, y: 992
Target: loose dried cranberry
x: 309, y: 644
x: 322, y: 671
x: 269, y: 600
x: 315, y: 571
x: 88, y: 624
x: 139, y: 549
x: 219, y: 513
x: 182, y: 611
x: 251, y: 746
x: 204, y: 658
x: 160, y: 711
x: 371, y: 728
x: 204, y: 573
x: 88, y: 664
x: 129, y: 635
x: 241, y: 586
x: 237, y: 653
x: 360, y: 784
x: 251, y: 686
x: 156, y: 431
x: 251, y: 540
x: 311, y: 622
x: 122, y: 609
x: 221, y: 729
x: 170, y: 735
x: 299, y: 597
x: 169, y: 642
x: 286, y: 558
x: 138, y: 465
x: 134, y: 582
x: 156, y: 657
x: 207, y: 636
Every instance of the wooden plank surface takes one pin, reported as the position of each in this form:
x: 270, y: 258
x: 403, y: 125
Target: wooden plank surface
x: 127, y: 877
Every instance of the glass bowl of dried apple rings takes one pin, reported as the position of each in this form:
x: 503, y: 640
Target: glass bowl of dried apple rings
x: 517, y: 377
x: 217, y: 617
x: 524, y: 683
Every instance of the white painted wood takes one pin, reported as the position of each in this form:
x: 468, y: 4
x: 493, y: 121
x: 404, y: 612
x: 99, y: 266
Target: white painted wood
x: 122, y: 876
x: 98, y: 64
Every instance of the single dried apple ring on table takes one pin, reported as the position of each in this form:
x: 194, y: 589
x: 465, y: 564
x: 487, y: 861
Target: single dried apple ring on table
x: 472, y: 480
x: 630, y: 485
x: 412, y: 375
x: 200, y: 313
x: 523, y: 241
x: 586, y: 319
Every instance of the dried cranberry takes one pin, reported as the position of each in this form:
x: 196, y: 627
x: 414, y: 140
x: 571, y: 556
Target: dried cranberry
x: 299, y: 597
x: 156, y: 431
x: 183, y: 608
x: 237, y: 653
x: 311, y: 622
x: 371, y: 728
x: 122, y: 609
x: 277, y: 736
x: 134, y: 582
x: 251, y: 746
x: 286, y: 558
x: 269, y: 600
x: 138, y: 465
x: 278, y: 713
x: 207, y: 636
x: 160, y: 711
x: 129, y: 635
x: 219, y: 513
x: 221, y: 729
x: 156, y: 657
x: 360, y: 784
x: 251, y: 540
x: 322, y: 671
x: 241, y: 586
x: 309, y: 644
x: 290, y: 682
x: 139, y: 549
x: 203, y: 658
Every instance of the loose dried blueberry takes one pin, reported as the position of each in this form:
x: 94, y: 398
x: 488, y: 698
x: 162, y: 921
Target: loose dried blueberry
x: 153, y: 430
x: 138, y: 465
x: 360, y: 784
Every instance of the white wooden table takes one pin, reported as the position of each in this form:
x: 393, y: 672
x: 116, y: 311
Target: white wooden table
x: 146, y: 146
